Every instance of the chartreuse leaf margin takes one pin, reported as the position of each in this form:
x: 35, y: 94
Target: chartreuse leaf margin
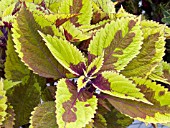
x: 101, y: 60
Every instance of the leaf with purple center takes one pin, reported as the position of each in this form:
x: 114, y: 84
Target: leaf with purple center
x: 73, y: 108
x: 117, y: 85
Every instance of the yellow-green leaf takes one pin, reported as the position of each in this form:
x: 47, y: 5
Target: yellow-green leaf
x: 3, y: 100
x: 82, y: 7
x: 151, y: 53
x: 32, y: 49
x: 117, y: 85
x: 120, y: 41
x: 66, y: 54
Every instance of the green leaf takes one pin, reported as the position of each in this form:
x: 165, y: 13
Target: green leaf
x: 122, y: 13
x: 74, y: 109
x: 48, y: 93
x: 151, y: 53
x: 5, y: 6
x: 98, y: 14
x: 10, y: 118
x: 24, y: 98
x: 115, y: 119
x: 152, y: 90
x: 35, y: 1
x: 159, y: 112
x: 166, y: 71
x: 9, y: 84
x: 120, y: 41
x: 31, y: 48
x: 49, y: 2
x: 50, y: 19
x: 73, y: 33
x: 43, y: 116
x: 106, y: 5
x: 3, y: 100
x: 54, y: 7
x: 100, y: 121
x: 8, y: 19
x: 66, y: 54
x: 8, y: 10
x: 82, y: 7
x: 167, y: 32
x: 161, y: 73
x: 15, y: 70
x: 117, y: 85
x: 166, y: 18
x: 90, y: 125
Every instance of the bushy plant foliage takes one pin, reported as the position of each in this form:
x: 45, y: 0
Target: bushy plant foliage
x: 107, y: 65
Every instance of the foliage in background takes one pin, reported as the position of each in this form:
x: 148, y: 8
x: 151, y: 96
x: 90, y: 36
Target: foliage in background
x: 107, y: 63
x: 157, y: 10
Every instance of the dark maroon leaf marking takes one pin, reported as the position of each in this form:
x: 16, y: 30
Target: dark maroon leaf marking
x: 91, y: 57
x: 149, y: 94
x: 87, y: 105
x: 91, y: 71
x: 161, y: 93
x: 91, y: 88
x: 85, y: 95
x: 97, y: 17
x: 118, y: 42
x: 132, y: 23
x: 69, y: 37
x: 166, y: 75
x: 69, y: 106
x: 83, y: 46
x: 61, y: 21
x: 143, y: 58
x: 101, y: 83
x: 75, y: 109
x: 78, y: 68
x: 126, y: 94
x: 75, y: 9
x: 71, y: 86
x: 69, y: 115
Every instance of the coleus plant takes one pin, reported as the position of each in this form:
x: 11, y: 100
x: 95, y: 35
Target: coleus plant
x: 106, y: 64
